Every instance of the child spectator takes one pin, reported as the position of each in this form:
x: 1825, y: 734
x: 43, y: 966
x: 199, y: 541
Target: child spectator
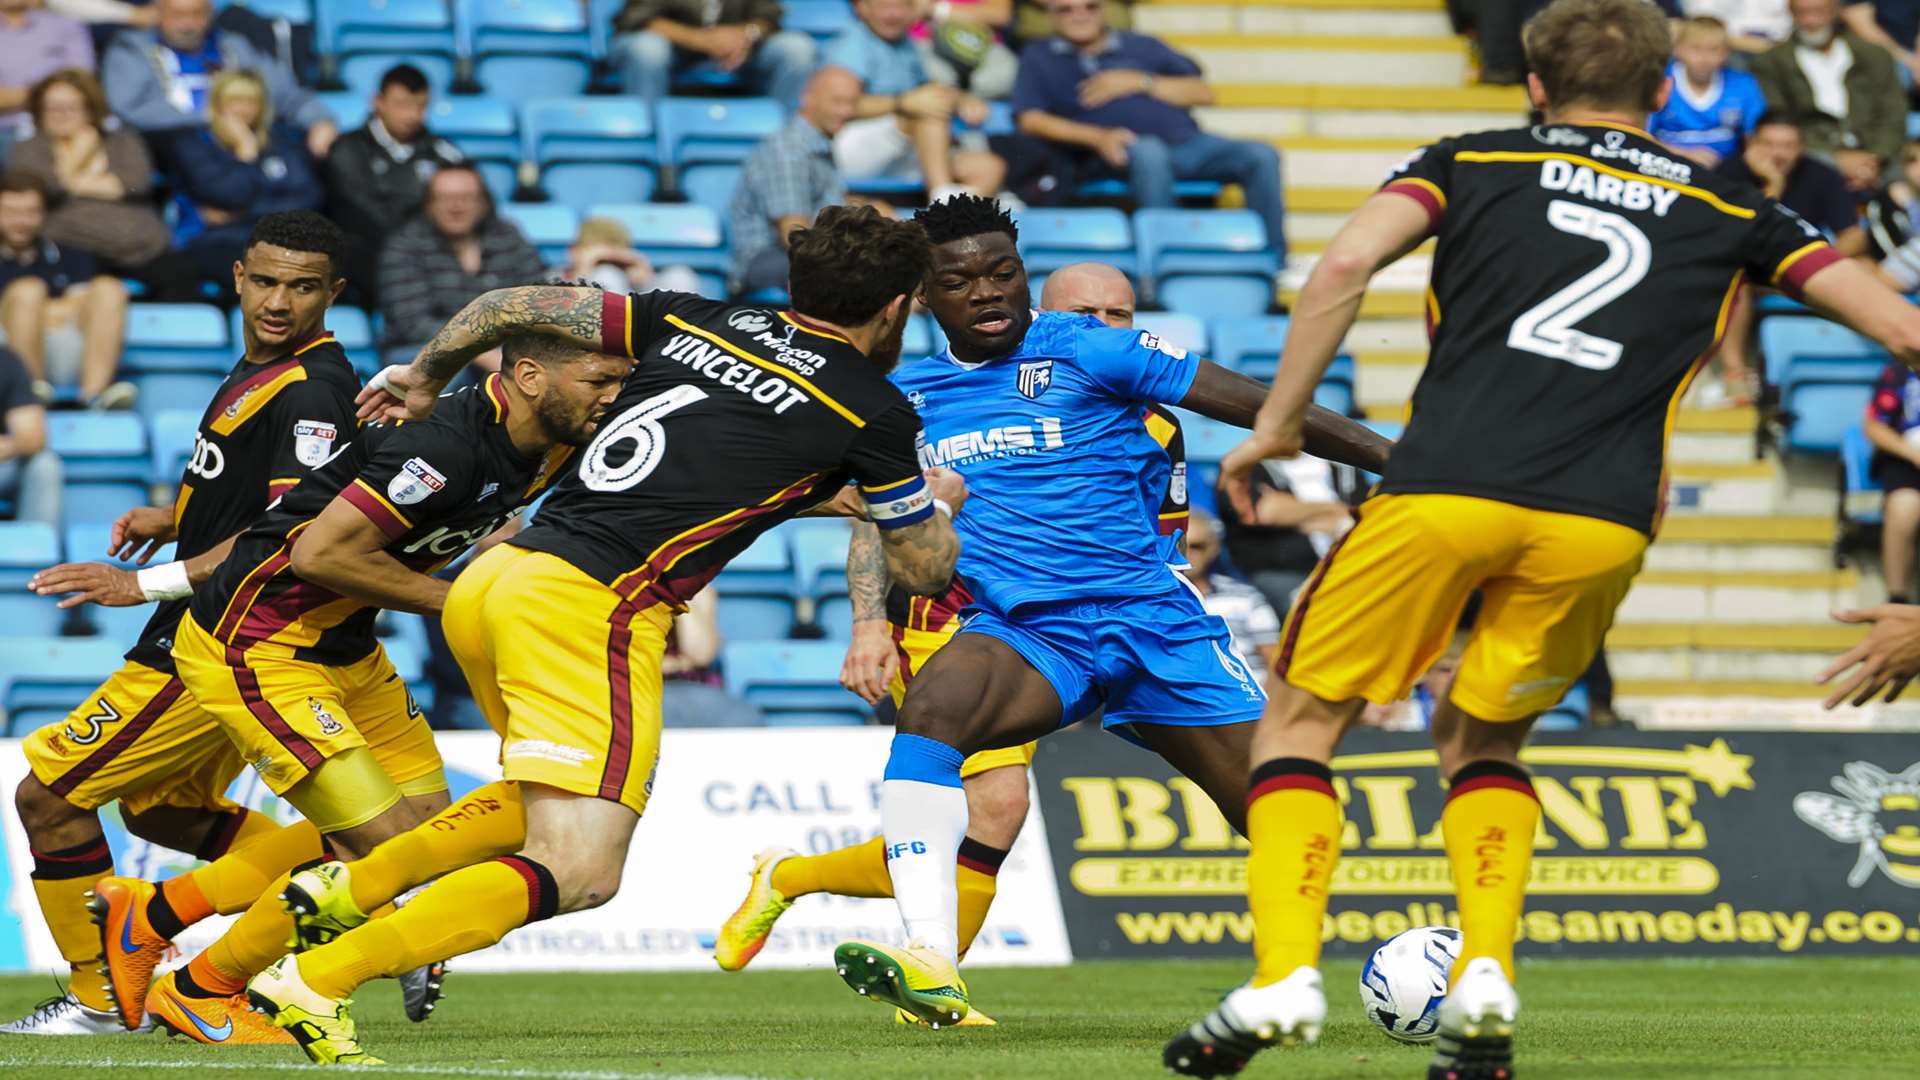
x: 1712, y: 108
x: 1893, y: 427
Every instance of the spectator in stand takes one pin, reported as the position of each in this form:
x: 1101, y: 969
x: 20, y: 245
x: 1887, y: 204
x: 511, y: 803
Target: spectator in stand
x: 1893, y: 427
x: 603, y: 254
x: 1712, y: 108
x: 1255, y: 624
x: 33, y: 45
x: 903, y: 125
x: 1890, y: 223
x: 788, y: 179
x: 101, y: 177
x: 1753, y: 26
x: 960, y: 44
x: 1775, y: 160
x: 238, y: 169
x: 659, y: 39
x: 1123, y: 102
x: 377, y: 175
x: 1845, y: 89
x: 158, y: 80
x: 1891, y: 24
x: 1090, y: 288
x: 455, y: 250
x: 30, y: 474
x: 1298, y: 514
x: 64, y: 318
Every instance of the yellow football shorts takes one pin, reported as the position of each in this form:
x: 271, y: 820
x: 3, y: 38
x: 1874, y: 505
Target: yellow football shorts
x: 1383, y: 605
x: 915, y: 648
x: 565, y: 669
x: 142, y: 739
x: 290, y: 716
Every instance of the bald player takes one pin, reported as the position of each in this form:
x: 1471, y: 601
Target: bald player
x: 893, y: 636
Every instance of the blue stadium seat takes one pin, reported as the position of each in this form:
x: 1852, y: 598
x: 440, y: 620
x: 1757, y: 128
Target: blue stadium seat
x: 24, y: 615
x: 486, y: 129
x: 1173, y: 243
x: 591, y: 150
x: 521, y: 48
x: 99, y: 445
x: 1252, y: 344
x: 600, y: 29
x: 550, y: 227
x: 821, y: 19
x: 1054, y: 237
x: 704, y: 140
x: 375, y: 34
x: 1822, y: 412
x: 815, y: 719
x: 1118, y: 189
x: 177, y: 337
x: 174, y: 431
x: 918, y: 339
x: 685, y: 234
x: 1175, y: 328
x: 352, y: 327
x: 350, y: 108
x: 765, y: 568
x: 297, y: 12
x: 100, y: 500
x: 167, y: 392
x: 819, y: 556
x: 26, y: 547
x: 1570, y: 713
x: 1791, y: 343
x: 1213, y: 295
x: 120, y: 624
x: 790, y: 677
x: 1207, y: 440
x: 53, y: 673
x: 755, y: 618
x: 1856, y: 477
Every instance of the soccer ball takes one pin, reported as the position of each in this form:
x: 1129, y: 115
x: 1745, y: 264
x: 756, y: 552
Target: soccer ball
x: 1405, y: 980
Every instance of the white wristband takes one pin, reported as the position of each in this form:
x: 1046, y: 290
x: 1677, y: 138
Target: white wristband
x: 168, y: 581
x: 944, y: 507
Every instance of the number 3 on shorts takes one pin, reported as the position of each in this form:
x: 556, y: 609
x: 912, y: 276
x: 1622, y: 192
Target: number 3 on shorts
x: 639, y: 425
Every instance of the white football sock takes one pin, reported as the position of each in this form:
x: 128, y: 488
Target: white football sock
x: 924, y: 824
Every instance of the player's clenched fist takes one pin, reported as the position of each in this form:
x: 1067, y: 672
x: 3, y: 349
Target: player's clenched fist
x: 947, y: 486
x: 872, y: 660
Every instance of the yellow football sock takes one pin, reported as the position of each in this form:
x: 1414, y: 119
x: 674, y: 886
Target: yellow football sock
x: 243, y: 825
x: 61, y: 881
x: 1488, y: 824
x: 468, y: 909
x: 235, y: 880
x: 860, y: 870
x: 977, y: 877
x: 257, y: 938
x: 487, y: 823
x: 1293, y: 821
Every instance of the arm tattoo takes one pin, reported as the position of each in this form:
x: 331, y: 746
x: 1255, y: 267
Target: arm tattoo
x: 920, y: 557
x: 566, y: 311
x: 867, y: 572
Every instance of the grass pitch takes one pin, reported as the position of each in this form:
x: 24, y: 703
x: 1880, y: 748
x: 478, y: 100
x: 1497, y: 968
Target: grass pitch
x: 1096, y: 1021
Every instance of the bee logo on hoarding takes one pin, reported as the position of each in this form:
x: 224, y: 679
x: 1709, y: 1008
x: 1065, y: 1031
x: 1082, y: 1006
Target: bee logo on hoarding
x: 1878, y: 810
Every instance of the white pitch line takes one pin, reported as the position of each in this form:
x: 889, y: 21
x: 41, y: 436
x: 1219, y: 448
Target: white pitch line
x: 397, y: 1070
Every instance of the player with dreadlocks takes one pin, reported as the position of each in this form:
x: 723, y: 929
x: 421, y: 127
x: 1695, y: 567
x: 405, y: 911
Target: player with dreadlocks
x: 1076, y: 602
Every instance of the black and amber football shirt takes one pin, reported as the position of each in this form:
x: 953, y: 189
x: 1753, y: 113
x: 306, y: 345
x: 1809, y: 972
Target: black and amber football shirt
x: 435, y: 487
x: 1583, y: 275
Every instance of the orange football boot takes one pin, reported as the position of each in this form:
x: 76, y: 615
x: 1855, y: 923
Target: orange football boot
x: 226, y: 1021
x: 128, y: 943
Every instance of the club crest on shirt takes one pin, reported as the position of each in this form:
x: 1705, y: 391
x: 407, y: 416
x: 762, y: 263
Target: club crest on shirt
x: 313, y: 442
x: 415, y: 481
x: 1035, y: 377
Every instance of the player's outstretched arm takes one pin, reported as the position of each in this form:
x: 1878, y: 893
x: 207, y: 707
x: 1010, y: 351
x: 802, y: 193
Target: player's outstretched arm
x: 1856, y: 296
x: 1233, y: 398
x: 343, y: 551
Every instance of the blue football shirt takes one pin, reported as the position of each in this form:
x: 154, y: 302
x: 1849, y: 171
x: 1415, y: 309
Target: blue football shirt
x: 1051, y: 444
x: 1718, y: 120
